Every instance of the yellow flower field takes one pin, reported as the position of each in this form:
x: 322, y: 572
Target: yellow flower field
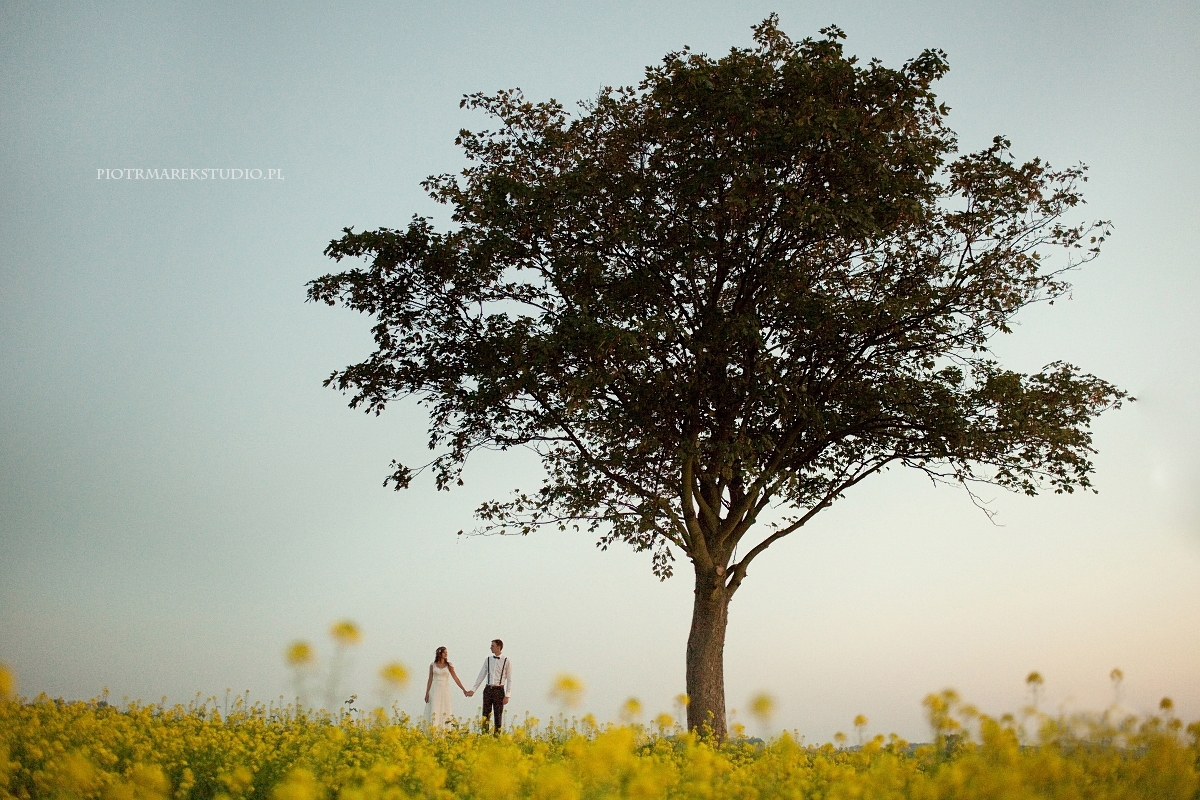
x: 54, y: 749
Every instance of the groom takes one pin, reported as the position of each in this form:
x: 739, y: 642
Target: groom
x: 497, y: 671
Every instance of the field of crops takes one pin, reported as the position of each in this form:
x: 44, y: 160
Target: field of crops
x: 95, y: 750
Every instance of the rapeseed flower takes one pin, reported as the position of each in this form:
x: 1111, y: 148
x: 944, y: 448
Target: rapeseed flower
x: 860, y: 725
x: 395, y: 675
x: 567, y: 690
x: 762, y: 706
x: 299, y: 654
x: 631, y: 709
x: 1034, y: 681
x: 8, y: 683
x: 345, y: 633
x: 97, y: 751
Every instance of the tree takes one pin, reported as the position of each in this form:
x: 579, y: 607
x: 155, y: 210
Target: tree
x: 746, y: 283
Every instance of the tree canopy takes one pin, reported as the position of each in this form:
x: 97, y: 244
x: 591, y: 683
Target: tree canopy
x: 745, y: 283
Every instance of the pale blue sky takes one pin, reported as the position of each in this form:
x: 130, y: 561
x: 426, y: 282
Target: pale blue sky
x: 179, y: 497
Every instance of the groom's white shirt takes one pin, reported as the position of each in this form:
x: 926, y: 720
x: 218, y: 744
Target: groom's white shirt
x: 497, y: 671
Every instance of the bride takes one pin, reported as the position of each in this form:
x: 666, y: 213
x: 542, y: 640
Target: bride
x: 437, y: 690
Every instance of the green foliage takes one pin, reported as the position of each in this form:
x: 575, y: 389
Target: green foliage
x: 745, y: 281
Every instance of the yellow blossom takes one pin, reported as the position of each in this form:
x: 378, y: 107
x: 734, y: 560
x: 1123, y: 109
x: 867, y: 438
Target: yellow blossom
x: 395, y: 675
x: 8, y: 682
x: 145, y: 782
x: 567, y: 690
x: 345, y: 633
x: 252, y: 751
x: 299, y: 785
x: 762, y: 706
x: 631, y: 709
x: 299, y: 654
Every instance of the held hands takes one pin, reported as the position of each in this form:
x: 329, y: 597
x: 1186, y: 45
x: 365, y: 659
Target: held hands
x: 470, y: 693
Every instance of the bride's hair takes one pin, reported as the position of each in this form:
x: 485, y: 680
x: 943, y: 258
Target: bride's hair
x: 438, y: 655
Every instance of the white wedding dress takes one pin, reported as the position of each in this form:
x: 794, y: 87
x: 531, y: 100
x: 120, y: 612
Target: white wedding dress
x: 437, y: 711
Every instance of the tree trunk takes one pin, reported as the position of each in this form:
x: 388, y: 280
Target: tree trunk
x: 706, y: 655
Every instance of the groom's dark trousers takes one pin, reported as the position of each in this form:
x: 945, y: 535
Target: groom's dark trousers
x: 493, y: 705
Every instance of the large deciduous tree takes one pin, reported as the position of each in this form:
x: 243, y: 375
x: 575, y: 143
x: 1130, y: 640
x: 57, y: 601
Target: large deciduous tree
x: 745, y: 283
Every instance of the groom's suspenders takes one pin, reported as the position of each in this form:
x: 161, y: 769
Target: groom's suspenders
x: 503, y: 664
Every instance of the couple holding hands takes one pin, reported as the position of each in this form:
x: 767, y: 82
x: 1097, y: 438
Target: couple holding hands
x: 496, y: 671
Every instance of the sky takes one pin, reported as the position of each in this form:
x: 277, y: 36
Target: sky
x: 180, y: 498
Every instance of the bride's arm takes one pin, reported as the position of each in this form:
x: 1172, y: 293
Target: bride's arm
x: 454, y: 675
x: 429, y: 683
